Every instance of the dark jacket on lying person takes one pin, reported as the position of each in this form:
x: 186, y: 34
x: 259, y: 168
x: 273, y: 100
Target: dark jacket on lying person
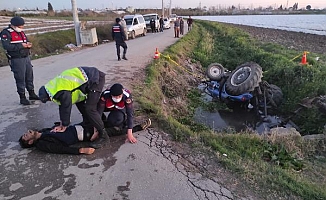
x: 59, y: 142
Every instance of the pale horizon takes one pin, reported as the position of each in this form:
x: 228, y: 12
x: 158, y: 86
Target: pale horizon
x: 143, y: 4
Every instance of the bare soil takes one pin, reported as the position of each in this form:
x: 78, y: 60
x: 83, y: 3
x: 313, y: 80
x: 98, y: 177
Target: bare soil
x: 293, y: 40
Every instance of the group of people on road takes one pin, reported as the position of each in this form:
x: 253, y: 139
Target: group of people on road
x: 153, y: 26
x: 80, y: 86
x: 179, y: 26
x: 120, y: 33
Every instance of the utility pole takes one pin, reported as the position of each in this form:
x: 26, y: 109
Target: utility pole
x: 170, y: 8
x: 76, y: 22
x: 162, y: 8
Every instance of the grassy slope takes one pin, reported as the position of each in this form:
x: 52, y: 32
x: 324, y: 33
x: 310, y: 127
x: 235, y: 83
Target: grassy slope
x: 287, y: 166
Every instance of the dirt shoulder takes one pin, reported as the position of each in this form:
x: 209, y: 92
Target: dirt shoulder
x: 290, y: 39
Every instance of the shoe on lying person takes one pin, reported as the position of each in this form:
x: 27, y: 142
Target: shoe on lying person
x: 145, y: 124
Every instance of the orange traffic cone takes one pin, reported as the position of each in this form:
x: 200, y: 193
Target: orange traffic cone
x: 157, y: 54
x: 304, y: 58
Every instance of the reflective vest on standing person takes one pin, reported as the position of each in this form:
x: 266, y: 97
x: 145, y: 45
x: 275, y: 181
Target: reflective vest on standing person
x: 117, y: 33
x: 68, y: 80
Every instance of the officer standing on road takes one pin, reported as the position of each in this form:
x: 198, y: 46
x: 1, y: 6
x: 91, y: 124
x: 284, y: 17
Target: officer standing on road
x: 181, y: 25
x: 153, y: 25
x: 161, y: 23
x: 17, y: 47
x: 189, y: 22
x: 119, y: 36
x: 81, y: 86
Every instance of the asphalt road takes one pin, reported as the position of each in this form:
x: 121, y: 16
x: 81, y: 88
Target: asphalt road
x: 147, y: 170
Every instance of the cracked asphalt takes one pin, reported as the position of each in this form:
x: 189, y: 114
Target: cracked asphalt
x: 153, y: 168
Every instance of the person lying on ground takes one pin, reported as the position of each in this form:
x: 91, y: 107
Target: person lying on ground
x: 49, y: 141
x: 118, y: 102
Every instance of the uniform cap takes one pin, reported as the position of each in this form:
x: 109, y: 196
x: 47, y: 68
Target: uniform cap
x: 43, y: 95
x: 116, y: 89
x: 117, y: 20
x: 17, y: 21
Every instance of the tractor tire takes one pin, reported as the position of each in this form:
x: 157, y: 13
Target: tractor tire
x: 274, y: 96
x: 215, y: 71
x: 245, y: 78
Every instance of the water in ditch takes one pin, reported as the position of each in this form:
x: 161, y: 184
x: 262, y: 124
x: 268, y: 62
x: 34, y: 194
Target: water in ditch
x: 225, y: 120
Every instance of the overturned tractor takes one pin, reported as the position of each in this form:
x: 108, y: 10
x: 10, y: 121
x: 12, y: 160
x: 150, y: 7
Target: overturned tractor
x: 242, y: 88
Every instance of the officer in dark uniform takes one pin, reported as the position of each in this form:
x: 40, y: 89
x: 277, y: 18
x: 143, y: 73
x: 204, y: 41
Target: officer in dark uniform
x: 153, y: 25
x: 17, y: 47
x: 81, y: 86
x: 118, y: 102
x: 119, y: 36
x: 161, y: 23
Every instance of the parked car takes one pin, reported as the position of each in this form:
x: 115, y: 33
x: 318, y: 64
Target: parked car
x: 167, y: 23
x: 135, y: 25
x: 148, y: 18
x: 173, y: 17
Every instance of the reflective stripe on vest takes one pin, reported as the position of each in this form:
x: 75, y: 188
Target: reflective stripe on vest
x: 116, y: 29
x: 68, y: 80
x: 17, y: 37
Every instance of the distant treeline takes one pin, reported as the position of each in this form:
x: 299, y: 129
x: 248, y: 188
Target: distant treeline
x: 179, y: 11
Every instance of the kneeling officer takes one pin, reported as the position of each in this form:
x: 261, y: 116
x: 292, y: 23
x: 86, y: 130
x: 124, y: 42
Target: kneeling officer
x: 81, y: 86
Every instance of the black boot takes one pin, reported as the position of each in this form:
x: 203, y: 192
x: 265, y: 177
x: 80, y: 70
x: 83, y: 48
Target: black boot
x: 124, y: 57
x: 23, y: 100
x: 32, y: 95
x: 104, y: 135
x: 100, y: 142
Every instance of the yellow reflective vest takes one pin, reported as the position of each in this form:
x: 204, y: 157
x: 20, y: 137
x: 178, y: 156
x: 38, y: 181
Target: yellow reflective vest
x: 68, y: 80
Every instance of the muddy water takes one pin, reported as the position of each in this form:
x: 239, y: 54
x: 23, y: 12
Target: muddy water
x: 226, y: 120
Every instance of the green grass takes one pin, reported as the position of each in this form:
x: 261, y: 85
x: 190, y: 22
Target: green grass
x: 290, y: 166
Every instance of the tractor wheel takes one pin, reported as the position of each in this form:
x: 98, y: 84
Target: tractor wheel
x: 215, y: 71
x: 245, y: 78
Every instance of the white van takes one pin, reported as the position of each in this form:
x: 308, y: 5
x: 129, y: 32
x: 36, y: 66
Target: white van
x: 148, y: 18
x: 173, y: 17
x: 135, y: 25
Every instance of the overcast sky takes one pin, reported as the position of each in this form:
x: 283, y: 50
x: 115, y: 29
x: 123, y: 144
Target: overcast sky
x: 100, y: 4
